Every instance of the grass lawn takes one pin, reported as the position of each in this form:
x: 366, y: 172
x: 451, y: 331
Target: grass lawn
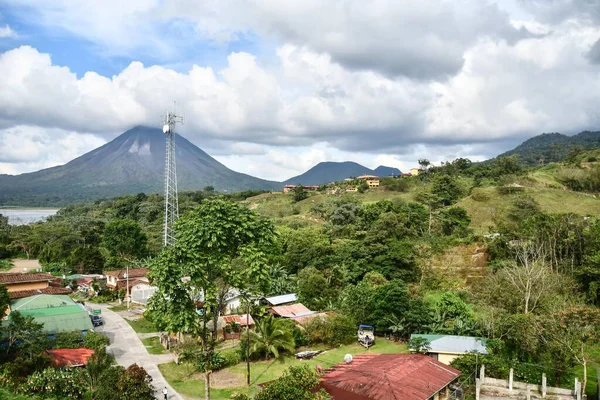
x: 153, y: 345
x: 191, y: 385
x: 550, y: 200
x: 142, y: 325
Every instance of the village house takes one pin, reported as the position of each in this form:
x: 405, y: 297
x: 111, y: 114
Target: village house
x: 416, y: 171
x: 279, y: 300
x: 21, y: 285
x: 445, y: 348
x: 290, y: 310
x: 70, y: 358
x: 118, y: 278
x: 58, y: 313
x: 371, y: 180
x: 142, y: 291
x: 227, y: 322
x: 390, y: 377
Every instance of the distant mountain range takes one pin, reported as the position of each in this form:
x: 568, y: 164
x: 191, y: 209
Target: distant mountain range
x: 326, y: 172
x: 552, y: 147
x: 134, y: 162
x: 131, y: 163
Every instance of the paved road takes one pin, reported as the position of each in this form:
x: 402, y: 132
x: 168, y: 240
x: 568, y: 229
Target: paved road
x: 127, y: 348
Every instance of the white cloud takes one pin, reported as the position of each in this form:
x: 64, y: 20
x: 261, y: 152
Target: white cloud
x: 385, y: 83
x: 7, y: 32
x: 423, y: 39
x: 29, y: 148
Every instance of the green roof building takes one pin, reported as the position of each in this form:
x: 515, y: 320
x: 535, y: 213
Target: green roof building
x: 58, y: 313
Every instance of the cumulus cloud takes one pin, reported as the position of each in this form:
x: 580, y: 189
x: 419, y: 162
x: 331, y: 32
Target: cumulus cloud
x: 7, y: 32
x: 422, y: 39
x: 29, y: 148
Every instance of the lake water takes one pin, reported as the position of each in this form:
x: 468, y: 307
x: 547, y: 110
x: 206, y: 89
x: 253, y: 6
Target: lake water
x: 17, y: 216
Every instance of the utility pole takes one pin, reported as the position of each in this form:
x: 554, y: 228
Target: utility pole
x: 248, y: 338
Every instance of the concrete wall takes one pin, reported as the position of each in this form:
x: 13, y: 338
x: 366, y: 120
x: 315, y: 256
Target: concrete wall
x: 18, y: 287
x: 446, y: 358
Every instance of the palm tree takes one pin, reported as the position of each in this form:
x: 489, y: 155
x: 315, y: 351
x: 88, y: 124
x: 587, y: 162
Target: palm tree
x: 271, y: 335
x: 397, y: 325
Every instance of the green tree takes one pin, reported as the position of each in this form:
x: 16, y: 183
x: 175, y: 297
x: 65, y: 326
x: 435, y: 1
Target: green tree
x: 4, y: 299
x: 299, y: 193
x: 455, y: 221
x: 209, y: 189
x: 419, y: 345
x: 271, y: 335
x: 314, y: 290
x: 134, y: 383
x: 218, y: 241
x: 446, y: 189
x: 125, y: 239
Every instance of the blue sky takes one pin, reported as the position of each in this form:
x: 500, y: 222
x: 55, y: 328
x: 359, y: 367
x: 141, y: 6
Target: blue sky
x: 271, y: 87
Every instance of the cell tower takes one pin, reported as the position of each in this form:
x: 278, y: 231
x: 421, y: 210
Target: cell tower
x: 171, y: 200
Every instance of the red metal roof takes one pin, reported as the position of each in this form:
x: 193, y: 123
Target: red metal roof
x: 388, y: 377
x: 9, y: 278
x: 289, y: 310
x: 133, y: 273
x: 302, y: 319
x: 70, y: 357
x: 49, y: 290
x: 238, y: 319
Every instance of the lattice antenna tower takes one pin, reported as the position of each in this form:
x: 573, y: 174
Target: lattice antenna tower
x: 171, y: 199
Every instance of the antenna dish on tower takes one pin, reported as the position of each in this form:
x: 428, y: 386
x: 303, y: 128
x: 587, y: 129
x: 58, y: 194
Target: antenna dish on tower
x: 166, y: 128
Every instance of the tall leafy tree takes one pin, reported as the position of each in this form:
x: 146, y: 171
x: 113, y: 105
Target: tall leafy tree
x: 125, y: 239
x: 218, y: 241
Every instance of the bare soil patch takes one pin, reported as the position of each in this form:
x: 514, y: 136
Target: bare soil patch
x: 23, y: 265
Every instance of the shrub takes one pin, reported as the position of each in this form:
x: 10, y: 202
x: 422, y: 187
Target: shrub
x: 95, y: 341
x: 480, y: 196
x: 230, y: 358
x: 67, y: 340
x: 56, y: 383
x: 13, y: 373
x: 333, y: 330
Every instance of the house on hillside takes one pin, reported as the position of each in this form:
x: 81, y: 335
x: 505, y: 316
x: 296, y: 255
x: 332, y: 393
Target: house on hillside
x: 291, y: 311
x: 390, y: 377
x: 371, y: 180
x: 445, y: 348
x: 70, y: 358
x: 118, y: 278
x: 58, y: 313
x: 279, y: 300
x: 232, y: 325
x: 24, y: 285
x: 416, y: 171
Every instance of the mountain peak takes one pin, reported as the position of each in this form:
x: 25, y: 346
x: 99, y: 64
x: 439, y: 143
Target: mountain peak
x: 331, y: 171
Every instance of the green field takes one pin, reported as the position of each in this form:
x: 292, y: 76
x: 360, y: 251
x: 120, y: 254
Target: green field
x: 550, y: 200
x: 142, y: 325
x: 191, y: 385
x: 153, y: 345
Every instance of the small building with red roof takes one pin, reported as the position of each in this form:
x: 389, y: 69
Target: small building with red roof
x: 389, y: 377
x: 70, y: 357
x: 117, y: 279
x: 291, y: 310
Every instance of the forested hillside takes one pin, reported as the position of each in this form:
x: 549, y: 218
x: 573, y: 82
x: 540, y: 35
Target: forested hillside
x: 553, y: 147
x: 491, y: 250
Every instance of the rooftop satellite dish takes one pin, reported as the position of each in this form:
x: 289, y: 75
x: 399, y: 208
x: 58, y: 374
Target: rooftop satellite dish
x: 166, y: 128
x: 348, y: 358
